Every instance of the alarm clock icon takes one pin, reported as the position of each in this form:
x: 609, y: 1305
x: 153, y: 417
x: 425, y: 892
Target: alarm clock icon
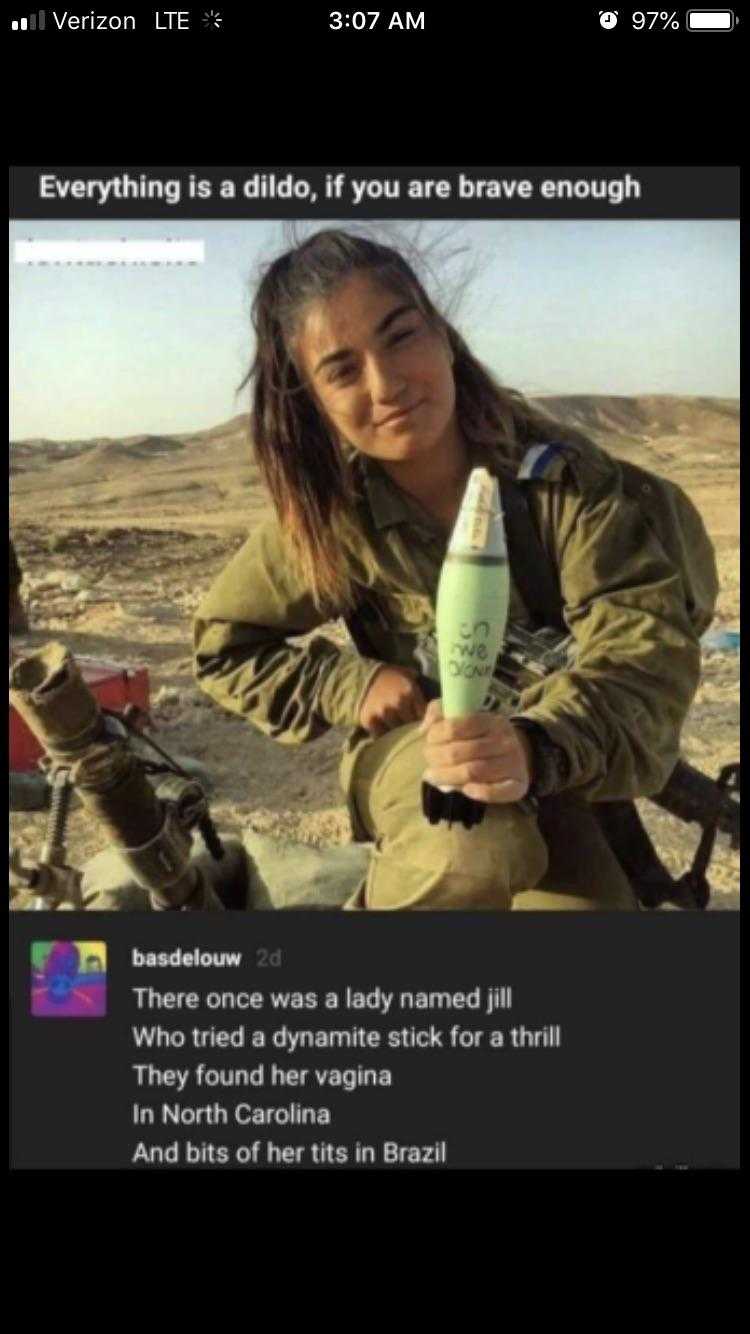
x: 608, y: 18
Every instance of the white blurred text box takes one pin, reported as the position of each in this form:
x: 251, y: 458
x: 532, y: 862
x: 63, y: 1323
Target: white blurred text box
x: 109, y: 252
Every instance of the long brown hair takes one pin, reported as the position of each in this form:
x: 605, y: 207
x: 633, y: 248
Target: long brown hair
x: 300, y: 459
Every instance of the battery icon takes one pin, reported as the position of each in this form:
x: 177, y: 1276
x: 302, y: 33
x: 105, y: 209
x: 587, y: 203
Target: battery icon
x: 710, y: 20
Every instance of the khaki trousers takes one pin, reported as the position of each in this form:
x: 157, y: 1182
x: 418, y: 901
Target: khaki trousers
x: 556, y: 860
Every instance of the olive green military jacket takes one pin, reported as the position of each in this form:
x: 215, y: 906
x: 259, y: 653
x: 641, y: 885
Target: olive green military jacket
x: 618, y: 711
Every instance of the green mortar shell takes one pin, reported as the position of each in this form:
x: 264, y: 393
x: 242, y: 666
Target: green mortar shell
x: 471, y: 616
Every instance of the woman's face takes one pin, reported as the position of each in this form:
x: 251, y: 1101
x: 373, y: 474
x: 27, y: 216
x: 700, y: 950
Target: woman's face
x: 381, y: 375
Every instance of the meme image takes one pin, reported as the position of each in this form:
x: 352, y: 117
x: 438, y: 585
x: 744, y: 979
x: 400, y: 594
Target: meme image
x: 374, y: 566
x: 374, y: 593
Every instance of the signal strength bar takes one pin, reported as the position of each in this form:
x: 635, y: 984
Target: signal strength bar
x: 33, y: 23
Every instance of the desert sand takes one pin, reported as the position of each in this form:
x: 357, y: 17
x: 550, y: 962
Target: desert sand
x: 119, y: 539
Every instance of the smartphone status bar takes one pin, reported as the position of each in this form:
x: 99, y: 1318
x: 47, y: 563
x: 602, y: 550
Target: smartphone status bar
x: 156, y: 20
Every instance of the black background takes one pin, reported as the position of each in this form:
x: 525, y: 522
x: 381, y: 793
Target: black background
x: 524, y: 83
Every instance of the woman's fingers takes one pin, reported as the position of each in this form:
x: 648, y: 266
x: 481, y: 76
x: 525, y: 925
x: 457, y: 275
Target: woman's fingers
x: 511, y: 789
x: 495, y: 770
x: 432, y: 714
x: 460, y: 752
x: 443, y: 730
x: 394, y: 698
x: 492, y: 766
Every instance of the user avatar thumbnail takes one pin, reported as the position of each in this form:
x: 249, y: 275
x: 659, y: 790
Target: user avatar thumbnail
x: 69, y: 979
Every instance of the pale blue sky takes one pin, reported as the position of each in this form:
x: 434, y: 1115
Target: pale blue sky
x: 550, y: 307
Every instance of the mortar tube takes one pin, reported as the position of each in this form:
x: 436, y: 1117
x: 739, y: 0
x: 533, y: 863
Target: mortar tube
x: 48, y: 691
x: 113, y: 787
x: 50, y: 694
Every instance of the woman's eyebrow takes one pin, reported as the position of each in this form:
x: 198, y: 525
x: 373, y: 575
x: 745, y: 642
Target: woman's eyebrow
x: 393, y: 315
x: 342, y: 353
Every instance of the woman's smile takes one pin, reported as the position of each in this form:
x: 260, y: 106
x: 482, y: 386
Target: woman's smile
x: 400, y: 415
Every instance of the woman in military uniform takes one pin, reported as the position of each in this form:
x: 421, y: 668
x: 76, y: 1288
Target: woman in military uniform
x: 369, y: 412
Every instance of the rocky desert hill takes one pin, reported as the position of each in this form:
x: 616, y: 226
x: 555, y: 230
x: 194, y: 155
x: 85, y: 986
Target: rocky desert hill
x: 207, y: 479
x: 118, y: 539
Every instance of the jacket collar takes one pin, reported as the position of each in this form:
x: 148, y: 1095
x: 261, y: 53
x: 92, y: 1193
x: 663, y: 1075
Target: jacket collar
x: 387, y: 502
x: 389, y: 505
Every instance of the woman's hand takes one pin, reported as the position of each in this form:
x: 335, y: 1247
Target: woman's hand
x: 394, y: 698
x: 483, y: 754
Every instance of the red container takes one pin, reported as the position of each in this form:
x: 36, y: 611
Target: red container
x: 113, y: 686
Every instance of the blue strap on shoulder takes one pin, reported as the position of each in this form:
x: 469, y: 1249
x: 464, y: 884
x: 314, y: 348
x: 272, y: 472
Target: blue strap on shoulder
x: 537, y: 460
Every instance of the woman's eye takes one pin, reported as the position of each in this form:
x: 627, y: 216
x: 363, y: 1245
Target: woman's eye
x: 401, y: 335
x: 341, y: 375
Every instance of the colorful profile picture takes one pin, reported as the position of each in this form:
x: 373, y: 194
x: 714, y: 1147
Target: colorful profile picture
x: 68, y: 979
